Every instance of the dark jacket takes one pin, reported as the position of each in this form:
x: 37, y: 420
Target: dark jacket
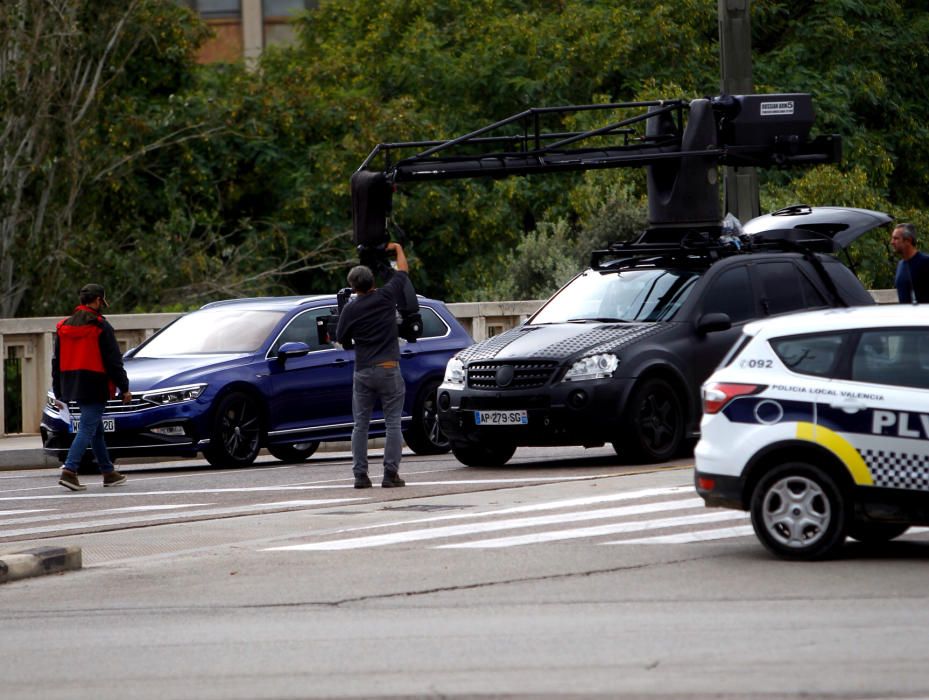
x: 87, y: 366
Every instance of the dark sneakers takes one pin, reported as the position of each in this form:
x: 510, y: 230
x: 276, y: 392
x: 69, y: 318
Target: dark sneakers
x: 114, y: 478
x: 362, y: 482
x: 392, y: 480
x: 70, y: 481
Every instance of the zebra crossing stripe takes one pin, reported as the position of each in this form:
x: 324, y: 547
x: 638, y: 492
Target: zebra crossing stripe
x: 721, y: 533
x: 435, y: 533
x: 596, y: 531
x: 155, y: 517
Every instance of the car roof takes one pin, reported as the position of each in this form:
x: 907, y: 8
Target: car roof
x: 284, y: 303
x: 877, y: 316
x: 271, y: 303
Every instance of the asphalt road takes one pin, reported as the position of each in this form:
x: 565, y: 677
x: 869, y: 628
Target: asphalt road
x: 562, y: 574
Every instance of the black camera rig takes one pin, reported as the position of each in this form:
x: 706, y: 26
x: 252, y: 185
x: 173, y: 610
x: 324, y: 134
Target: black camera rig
x: 680, y: 143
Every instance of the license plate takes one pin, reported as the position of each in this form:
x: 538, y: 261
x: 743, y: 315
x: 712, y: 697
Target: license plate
x: 109, y: 425
x: 500, y: 418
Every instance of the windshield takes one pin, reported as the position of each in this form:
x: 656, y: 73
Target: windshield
x: 630, y: 295
x: 225, y: 329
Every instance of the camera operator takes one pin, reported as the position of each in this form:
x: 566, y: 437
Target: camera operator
x: 370, y: 323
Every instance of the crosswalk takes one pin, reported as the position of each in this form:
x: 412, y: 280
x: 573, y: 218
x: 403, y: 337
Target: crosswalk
x: 643, y: 516
x: 646, y: 516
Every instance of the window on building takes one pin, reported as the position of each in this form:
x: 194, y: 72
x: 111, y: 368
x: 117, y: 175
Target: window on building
x: 285, y: 8
x: 217, y: 9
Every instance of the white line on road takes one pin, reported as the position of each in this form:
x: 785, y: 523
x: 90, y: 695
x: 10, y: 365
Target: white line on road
x: 285, y: 487
x: 154, y: 518
x: 598, y: 531
x: 685, y: 537
x: 474, y: 528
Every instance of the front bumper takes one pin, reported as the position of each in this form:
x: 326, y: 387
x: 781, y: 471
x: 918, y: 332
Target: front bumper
x: 565, y: 413
x: 135, y: 433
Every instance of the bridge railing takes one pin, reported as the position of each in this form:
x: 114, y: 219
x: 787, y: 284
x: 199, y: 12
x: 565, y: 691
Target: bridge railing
x: 26, y: 346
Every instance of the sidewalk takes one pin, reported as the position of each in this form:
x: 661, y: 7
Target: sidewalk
x: 24, y: 452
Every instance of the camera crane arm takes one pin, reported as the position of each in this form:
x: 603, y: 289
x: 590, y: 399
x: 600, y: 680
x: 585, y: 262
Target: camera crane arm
x: 680, y: 143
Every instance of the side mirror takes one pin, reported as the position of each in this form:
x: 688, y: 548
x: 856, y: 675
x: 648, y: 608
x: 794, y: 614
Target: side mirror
x: 710, y: 323
x: 292, y: 349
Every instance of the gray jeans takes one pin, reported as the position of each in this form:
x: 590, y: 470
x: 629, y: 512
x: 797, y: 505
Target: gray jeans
x: 369, y: 385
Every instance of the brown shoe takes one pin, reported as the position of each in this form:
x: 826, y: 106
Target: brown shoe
x: 69, y: 480
x: 114, y: 478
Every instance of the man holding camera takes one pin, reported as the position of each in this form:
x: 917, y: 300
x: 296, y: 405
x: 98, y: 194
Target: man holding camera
x: 370, y: 323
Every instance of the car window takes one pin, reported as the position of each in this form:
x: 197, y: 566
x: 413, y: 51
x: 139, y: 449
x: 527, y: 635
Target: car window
x: 222, y: 329
x: 899, y: 357
x: 302, y: 329
x: 731, y: 293
x: 433, y: 325
x: 630, y: 295
x: 784, y: 288
x: 811, y: 354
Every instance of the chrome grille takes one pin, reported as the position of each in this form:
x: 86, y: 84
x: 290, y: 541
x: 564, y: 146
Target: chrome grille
x: 114, y: 406
x: 526, y: 375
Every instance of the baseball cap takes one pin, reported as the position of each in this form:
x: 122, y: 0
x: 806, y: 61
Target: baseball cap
x: 89, y: 292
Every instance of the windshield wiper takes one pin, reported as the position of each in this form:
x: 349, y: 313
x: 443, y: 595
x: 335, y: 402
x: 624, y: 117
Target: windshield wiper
x: 600, y: 319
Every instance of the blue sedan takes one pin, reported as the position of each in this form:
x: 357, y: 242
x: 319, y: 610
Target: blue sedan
x: 236, y: 376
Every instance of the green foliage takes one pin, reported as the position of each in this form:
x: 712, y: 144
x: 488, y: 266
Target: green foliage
x: 182, y: 183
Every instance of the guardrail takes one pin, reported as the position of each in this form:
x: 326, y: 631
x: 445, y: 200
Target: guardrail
x: 26, y: 345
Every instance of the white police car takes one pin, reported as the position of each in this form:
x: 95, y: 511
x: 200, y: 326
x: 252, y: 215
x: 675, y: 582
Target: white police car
x: 818, y: 423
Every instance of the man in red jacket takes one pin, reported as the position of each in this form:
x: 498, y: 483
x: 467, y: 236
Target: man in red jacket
x: 87, y: 368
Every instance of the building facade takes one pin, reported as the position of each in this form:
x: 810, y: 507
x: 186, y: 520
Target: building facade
x: 243, y: 28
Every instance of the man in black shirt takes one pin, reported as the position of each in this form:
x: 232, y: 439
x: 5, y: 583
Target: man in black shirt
x: 912, y: 276
x: 370, y: 322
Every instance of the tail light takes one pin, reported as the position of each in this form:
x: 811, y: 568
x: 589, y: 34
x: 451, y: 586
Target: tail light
x: 718, y: 394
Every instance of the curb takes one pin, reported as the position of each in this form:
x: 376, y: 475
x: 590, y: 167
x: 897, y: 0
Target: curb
x: 38, y: 561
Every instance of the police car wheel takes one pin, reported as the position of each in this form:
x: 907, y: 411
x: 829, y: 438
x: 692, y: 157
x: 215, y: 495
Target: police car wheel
x: 425, y: 436
x: 798, y: 512
x: 876, y: 532
x: 483, y: 455
x: 654, y: 423
x: 236, y: 436
x: 293, y: 453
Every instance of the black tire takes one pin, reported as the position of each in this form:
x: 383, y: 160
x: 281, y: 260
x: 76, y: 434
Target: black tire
x: 798, y: 512
x: 484, y: 455
x: 294, y: 452
x: 424, y: 435
x: 876, y: 532
x: 653, y: 423
x: 236, y: 436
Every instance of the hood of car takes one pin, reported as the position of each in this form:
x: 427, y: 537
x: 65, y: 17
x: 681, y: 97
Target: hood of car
x: 559, y: 341
x: 154, y: 373
x: 804, y: 224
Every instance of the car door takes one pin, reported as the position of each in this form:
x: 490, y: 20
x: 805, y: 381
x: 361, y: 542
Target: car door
x: 885, y: 405
x: 313, y: 393
x: 729, y: 291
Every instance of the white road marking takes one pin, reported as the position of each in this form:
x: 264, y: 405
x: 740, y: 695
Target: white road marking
x: 155, y: 517
x: 475, y: 528
x: 23, y: 512
x: 698, y: 536
x: 535, y: 507
x: 312, y: 486
x: 131, y: 509
x: 598, y: 531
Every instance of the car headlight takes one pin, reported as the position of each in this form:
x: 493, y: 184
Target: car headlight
x: 174, y: 395
x: 455, y: 372
x: 593, y: 367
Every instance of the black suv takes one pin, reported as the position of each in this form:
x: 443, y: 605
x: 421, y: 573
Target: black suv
x: 619, y: 353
